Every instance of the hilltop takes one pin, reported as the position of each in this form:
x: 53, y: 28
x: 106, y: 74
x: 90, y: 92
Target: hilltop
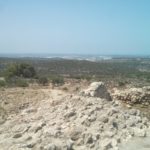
x: 75, y: 116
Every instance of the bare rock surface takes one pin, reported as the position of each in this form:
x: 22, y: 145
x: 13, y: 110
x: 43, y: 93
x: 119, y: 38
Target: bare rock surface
x: 64, y: 121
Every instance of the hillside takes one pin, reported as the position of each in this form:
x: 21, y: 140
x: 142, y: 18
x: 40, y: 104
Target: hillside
x: 50, y: 118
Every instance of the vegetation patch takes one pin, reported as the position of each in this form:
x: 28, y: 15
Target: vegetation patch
x: 43, y: 81
x: 57, y: 80
x: 2, y: 83
x: 20, y: 70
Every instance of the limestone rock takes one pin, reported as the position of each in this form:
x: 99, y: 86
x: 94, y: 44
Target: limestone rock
x: 97, y: 89
x: 139, y: 132
x: 106, y: 144
x: 75, y: 133
x: 50, y: 147
x: 70, y: 144
x: 133, y: 95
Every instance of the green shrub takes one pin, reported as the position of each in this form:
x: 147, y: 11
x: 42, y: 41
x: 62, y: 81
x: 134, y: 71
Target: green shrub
x: 65, y: 89
x: 11, y: 71
x: 22, y: 83
x: 58, y: 81
x: 26, y: 70
x: 2, y: 83
x: 11, y: 81
x: 43, y: 81
x: 80, y: 77
x: 15, y: 81
x: 77, y: 89
x: 121, y: 83
x: 20, y: 70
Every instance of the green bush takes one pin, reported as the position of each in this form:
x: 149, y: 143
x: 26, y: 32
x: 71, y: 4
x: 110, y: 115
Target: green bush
x: 22, y: 83
x: 80, y: 77
x: 20, y: 70
x: 11, y: 81
x: 10, y: 72
x: 43, y: 81
x: 2, y: 83
x: 58, y: 81
x: 65, y: 89
x: 121, y: 83
x: 26, y: 70
x: 15, y: 81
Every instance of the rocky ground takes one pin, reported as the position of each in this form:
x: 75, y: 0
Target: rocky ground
x: 134, y: 95
x: 54, y: 119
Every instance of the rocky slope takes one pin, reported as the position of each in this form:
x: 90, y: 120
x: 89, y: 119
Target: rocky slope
x: 63, y: 121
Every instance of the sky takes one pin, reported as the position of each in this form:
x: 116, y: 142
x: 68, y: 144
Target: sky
x: 108, y: 27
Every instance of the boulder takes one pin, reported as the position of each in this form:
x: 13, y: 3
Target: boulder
x: 97, y: 89
x: 74, y: 133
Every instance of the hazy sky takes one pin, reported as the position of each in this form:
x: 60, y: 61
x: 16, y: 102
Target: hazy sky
x: 75, y: 26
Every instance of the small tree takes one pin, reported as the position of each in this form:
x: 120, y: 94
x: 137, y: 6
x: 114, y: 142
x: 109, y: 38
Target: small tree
x: 20, y: 70
x: 11, y: 71
x: 26, y: 70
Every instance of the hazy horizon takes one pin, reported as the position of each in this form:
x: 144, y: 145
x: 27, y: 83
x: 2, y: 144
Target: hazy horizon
x: 75, y: 27
x: 53, y: 55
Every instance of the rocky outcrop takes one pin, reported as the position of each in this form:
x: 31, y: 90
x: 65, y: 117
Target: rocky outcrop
x: 97, y: 89
x: 134, y: 95
x: 74, y: 122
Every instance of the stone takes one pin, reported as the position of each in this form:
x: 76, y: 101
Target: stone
x: 92, y: 118
x: 112, y: 111
x: 104, y: 119
x: 115, y: 124
x: 114, y: 142
x: 86, y: 122
x: 106, y: 144
x: 70, y: 144
x: 145, y: 121
x: 130, y: 123
x: 109, y: 134
x: 50, y: 147
x: 70, y: 114
x: 88, y: 138
x: 31, y: 110
x: 74, y: 133
x: 18, y: 135
x: 37, y: 127
x: 31, y: 145
x: 129, y: 106
x: 139, y: 132
x: 133, y: 112
x: 122, y: 126
x: 97, y: 89
x: 28, y: 138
